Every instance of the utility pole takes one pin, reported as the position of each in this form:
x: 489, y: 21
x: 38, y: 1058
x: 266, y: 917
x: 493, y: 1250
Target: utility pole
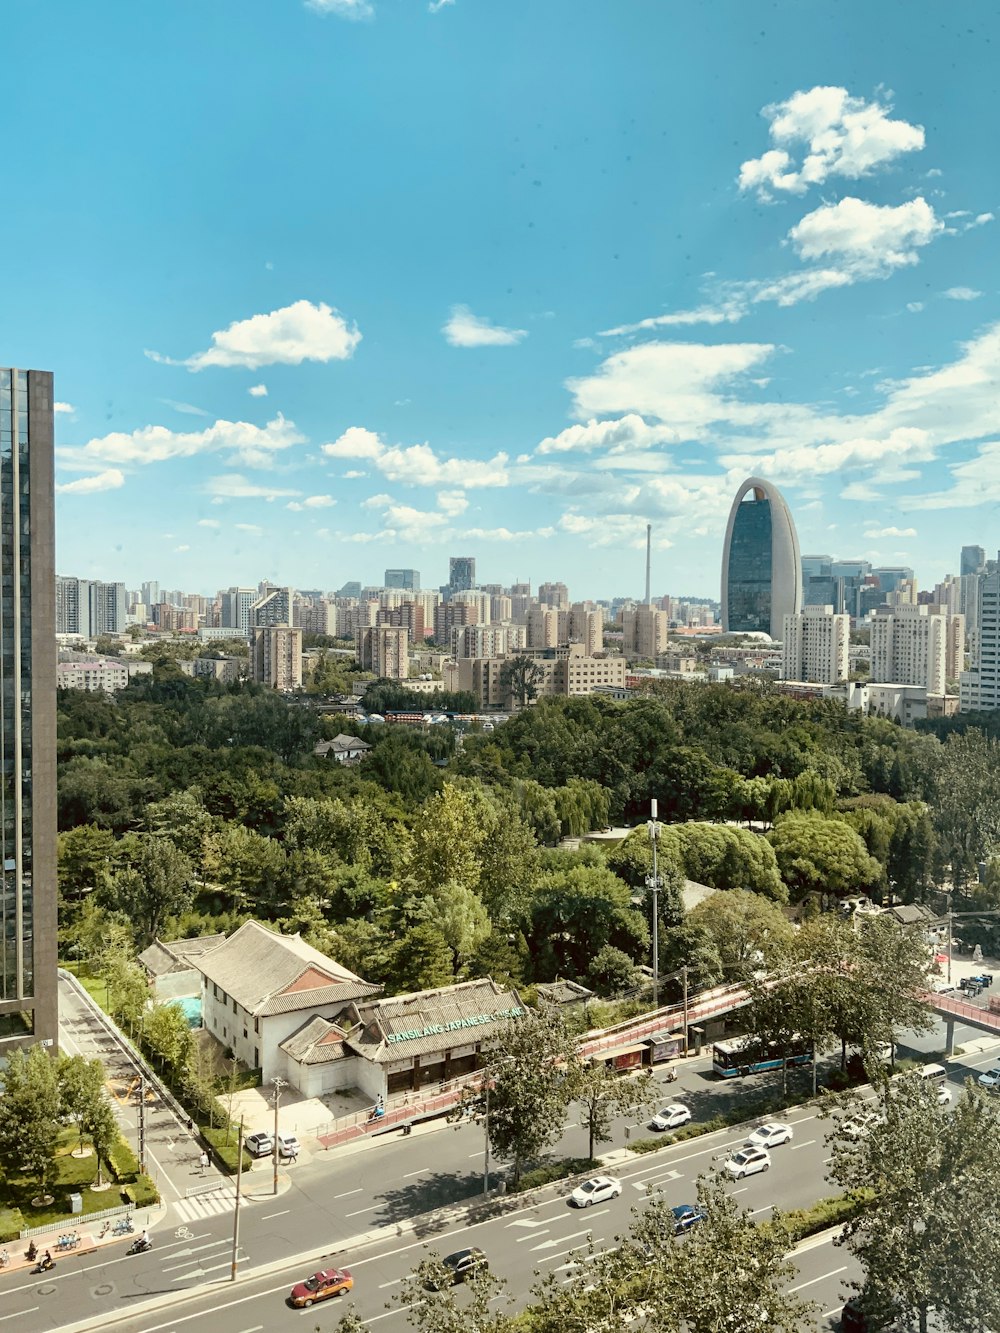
x: 486, y: 1140
x: 141, y: 1119
x: 277, y: 1084
x: 949, y: 935
x: 684, y: 973
x: 653, y: 884
x: 236, y: 1214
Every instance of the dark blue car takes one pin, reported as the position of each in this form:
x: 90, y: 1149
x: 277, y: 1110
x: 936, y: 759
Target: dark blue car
x: 686, y: 1216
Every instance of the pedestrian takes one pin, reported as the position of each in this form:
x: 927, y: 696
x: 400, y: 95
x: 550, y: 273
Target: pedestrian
x: 204, y: 1161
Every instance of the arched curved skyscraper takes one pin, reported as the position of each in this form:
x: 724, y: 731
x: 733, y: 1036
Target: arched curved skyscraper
x: 761, y: 566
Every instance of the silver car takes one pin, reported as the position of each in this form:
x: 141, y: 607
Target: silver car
x: 747, y: 1162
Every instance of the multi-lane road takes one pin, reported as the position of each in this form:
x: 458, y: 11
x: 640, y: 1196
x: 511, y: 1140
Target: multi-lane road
x: 327, y: 1202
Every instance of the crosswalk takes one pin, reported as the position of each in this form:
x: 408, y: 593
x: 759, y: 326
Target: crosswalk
x: 208, y: 1204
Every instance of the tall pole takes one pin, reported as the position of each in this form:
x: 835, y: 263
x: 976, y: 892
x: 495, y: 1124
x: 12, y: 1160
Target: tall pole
x: 684, y: 972
x: 277, y: 1084
x: 654, y: 885
x: 141, y: 1118
x: 236, y: 1213
x: 949, y: 935
x: 486, y: 1142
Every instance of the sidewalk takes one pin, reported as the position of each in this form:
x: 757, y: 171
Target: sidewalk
x: 91, y: 1239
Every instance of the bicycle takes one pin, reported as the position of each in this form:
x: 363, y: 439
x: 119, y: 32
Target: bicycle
x: 184, y: 1233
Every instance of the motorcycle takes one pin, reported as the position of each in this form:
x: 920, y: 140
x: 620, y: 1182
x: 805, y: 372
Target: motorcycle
x: 44, y: 1265
x: 670, y: 1076
x: 140, y: 1246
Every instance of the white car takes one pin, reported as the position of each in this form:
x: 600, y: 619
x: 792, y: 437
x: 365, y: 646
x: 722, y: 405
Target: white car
x: 671, y: 1117
x: 595, y: 1190
x: 860, y: 1124
x: 771, y: 1135
x: 747, y: 1162
x: 991, y: 1078
x: 943, y: 1095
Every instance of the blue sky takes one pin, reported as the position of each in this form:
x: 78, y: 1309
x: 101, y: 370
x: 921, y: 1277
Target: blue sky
x: 334, y: 286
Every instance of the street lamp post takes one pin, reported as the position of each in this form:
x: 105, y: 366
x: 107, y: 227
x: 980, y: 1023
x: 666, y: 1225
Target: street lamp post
x: 654, y: 886
x: 277, y: 1084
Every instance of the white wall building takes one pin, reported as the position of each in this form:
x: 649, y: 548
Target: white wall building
x: 816, y: 645
x: 979, y: 687
x: 910, y: 647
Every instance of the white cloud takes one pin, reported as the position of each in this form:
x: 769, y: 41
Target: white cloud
x: 257, y: 391
x: 418, y: 464
x: 344, y: 9
x: 353, y: 473
x: 800, y: 463
x: 504, y: 534
x: 976, y: 481
x: 66, y: 408
x: 861, y: 491
x: 182, y: 548
x: 914, y: 307
x: 875, y: 533
x: 318, y: 502
x: 377, y: 502
x: 253, y: 445
x: 405, y: 523
x: 629, y: 432
x: 617, y: 530
x: 233, y: 486
x: 436, y: 6
x: 188, y: 409
x: 981, y: 219
x: 453, y: 502
x: 250, y: 528
x: 110, y: 480
x: 836, y: 135
x: 296, y: 333
x: 866, y: 238
x: 209, y: 523
x: 727, y: 312
x: 464, y: 329
x: 962, y: 294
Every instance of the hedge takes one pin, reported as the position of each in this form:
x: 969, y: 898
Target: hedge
x: 123, y: 1163
x: 559, y: 1170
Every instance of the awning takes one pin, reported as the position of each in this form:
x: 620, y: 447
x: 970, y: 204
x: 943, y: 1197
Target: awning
x: 617, y: 1052
x: 658, y: 1038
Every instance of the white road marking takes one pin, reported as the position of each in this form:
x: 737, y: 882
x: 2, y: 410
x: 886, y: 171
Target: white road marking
x: 669, y: 1174
x: 526, y: 1222
x: 394, y: 1283
x: 267, y: 1216
x: 547, y: 1244
x: 422, y: 1172
x: 348, y: 1193
x: 808, y: 1143
x: 18, y: 1313
x: 833, y: 1273
x: 362, y: 1210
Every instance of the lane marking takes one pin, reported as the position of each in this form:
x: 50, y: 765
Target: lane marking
x: 808, y: 1144
x: 348, y: 1193
x: 18, y: 1313
x: 362, y: 1210
x: 407, y: 1175
x: 833, y: 1273
x: 267, y: 1216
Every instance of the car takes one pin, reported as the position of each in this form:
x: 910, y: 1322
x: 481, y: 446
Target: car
x: 970, y: 986
x: 686, y: 1216
x: 259, y: 1145
x: 990, y: 1078
x: 747, y: 1162
x: 288, y: 1146
x: 943, y: 1095
x: 984, y: 979
x: 859, y: 1124
x: 671, y: 1117
x: 595, y: 1190
x: 328, y: 1282
x: 771, y: 1135
x: 943, y: 988
x: 465, y: 1263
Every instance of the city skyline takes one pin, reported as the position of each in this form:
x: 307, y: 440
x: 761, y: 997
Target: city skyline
x: 495, y: 316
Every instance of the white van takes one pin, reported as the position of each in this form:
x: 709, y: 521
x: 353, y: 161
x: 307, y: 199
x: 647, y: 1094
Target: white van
x: 935, y: 1074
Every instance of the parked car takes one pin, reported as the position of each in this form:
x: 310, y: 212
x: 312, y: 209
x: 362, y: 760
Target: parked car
x: 748, y: 1162
x: 970, y: 986
x: 943, y: 1095
x: 329, y: 1282
x: 859, y: 1124
x: 671, y: 1117
x: 990, y: 1078
x: 771, y: 1135
x: 984, y: 979
x: 595, y: 1190
x: 259, y: 1145
x: 288, y: 1146
x: 465, y: 1263
x: 686, y: 1216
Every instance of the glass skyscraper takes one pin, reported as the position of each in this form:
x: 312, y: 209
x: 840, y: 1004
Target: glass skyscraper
x: 761, y: 565
x: 28, y: 1002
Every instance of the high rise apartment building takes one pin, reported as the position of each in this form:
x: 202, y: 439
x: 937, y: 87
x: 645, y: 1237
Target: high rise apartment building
x: 277, y: 656
x: 909, y: 646
x: 488, y: 640
x: 543, y: 627
x: 408, y: 616
x: 979, y: 687
x: 586, y: 626
x: 28, y: 1003
x: 461, y: 573
x: 90, y: 607
x: 555, y: 595
x: 235, y: 609
x: 384, y: 650
x: 644, y: 632
x: 815, y: 645
x: 449, y: 614
x: 973, y: 560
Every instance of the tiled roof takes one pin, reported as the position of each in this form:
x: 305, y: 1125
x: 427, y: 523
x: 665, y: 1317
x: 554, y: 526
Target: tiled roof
x: 176, y: 955
x: 158, y: 961
x: 268, y: 973
x: 563, y: 992
x: 429, y: 1022
x: 317, y: 1042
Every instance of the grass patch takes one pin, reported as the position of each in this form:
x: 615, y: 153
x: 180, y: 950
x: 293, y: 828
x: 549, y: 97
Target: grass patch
x: 225, y: 1153
x: 830, y: 1212
x: 558, y: 1170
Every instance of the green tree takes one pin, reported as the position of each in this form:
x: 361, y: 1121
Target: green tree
x: 183, y: 819
x: 29, y: 1126
x: 574, y: 913
x: 420, y: 960
x: 447, y: 838
x: 434, y: 1304
x: 820, y: 855
x: 81, y: 1087
x: 460, y: 918
x: 128, y: 991
x: 153, y: 884
x: 529, y: 1090
x: 747, y: 931
x: 101, y: 1127
x: 967, y: 803
x: 86, y: 854
x: 170, y: 1040
x: 612, y: 972
x: 520, y: 678
x: 251, y: 870
x: 603, y: 1095
x: 926, y: 1181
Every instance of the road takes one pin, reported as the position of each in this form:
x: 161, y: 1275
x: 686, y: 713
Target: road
x: 327, y: 1201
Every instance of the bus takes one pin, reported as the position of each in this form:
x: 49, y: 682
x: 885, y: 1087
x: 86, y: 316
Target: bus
x: 746, y: 1055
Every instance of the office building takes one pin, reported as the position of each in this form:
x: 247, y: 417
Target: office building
x: 234, y: 610
x: 761, y: 564
x: 407, y: 579
x: 277, y: 656
x: 979, y: 687
x: 973, y: 560
x: 28, y: 1003
x: 910, y: 647
x: 461, y: 573
x: 815, y: 646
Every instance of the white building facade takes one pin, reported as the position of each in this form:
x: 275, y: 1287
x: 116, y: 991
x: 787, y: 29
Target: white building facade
x: 816, y: 645
x: 910, y: 647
